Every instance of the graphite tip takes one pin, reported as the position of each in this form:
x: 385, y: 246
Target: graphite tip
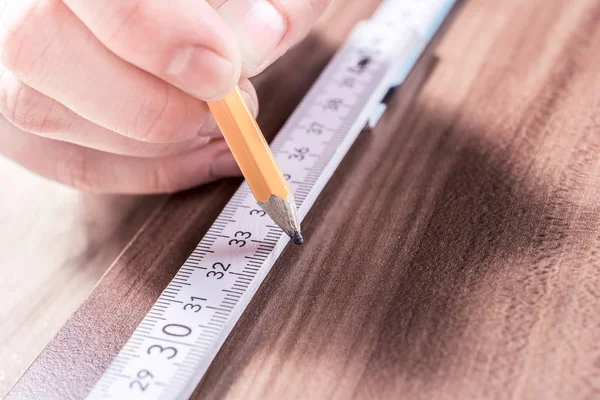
x: 297, y: 238
x: 283, y: 212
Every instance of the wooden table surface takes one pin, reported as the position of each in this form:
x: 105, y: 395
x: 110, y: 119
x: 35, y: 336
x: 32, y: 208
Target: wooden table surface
x: 453, y: 255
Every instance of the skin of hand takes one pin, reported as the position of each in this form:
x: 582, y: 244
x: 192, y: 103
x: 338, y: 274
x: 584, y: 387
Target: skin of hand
x: 110, y: 96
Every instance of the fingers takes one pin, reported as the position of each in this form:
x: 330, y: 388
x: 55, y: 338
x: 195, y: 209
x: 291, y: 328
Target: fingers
x: 96, y: 171
x: 266, y: 29
x: 33, y: 112
x: 184, y: 42
x: 46, y: 46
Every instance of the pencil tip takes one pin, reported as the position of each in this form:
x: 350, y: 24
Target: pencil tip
x: 297, y: 238
x: 283, y: 212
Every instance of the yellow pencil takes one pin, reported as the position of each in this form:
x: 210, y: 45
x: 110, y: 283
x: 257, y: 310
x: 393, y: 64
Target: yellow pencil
x: 254, y: 157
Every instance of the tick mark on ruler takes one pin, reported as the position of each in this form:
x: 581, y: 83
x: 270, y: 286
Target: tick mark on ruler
x: 273, y: 226
x: 209, y: 327
x: 271, y: 243
x: 166, y: 340
x: 178, y: 284
x: 216, y: 308
x: 156, y: 319
x: 172, y: 301
x: 242, y: 287
x: 232, y: 291
x: 196, y: 267
x: 118, y: 375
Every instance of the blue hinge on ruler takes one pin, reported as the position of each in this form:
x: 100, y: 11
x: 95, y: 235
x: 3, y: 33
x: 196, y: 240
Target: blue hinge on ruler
x: 397, y: 16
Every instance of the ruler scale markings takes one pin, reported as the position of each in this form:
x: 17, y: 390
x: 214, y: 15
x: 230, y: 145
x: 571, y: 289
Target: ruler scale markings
x: 238, y: 285
x: 195, y: 313
x: 207, y: 337
x: 155, y: 319
x: 180, y: 284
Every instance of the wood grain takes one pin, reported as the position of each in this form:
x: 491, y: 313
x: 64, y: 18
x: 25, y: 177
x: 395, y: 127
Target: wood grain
x: 453, y: 255
x: 55, y: 244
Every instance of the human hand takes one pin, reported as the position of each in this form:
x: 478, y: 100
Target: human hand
x: 109, y: 96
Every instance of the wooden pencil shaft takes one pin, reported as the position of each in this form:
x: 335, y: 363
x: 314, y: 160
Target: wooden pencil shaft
x: 249, y: 147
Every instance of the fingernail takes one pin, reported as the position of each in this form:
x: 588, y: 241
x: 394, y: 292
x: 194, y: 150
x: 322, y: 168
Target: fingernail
x: 201, y: 72
x: 224, y: 166
x: 258, y: 27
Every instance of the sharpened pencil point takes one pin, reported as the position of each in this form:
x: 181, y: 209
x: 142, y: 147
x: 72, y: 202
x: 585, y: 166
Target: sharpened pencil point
x: 283, y: 212
x: 297, y: 238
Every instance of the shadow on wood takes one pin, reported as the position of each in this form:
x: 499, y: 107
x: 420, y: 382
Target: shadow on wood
x: 400, y: 266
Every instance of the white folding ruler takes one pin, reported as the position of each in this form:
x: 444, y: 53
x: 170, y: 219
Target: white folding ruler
x: 172, y: 348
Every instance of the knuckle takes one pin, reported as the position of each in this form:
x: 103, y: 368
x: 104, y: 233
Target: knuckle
x: 11, y: 37
x: 131, y: 14
x: 23, y: 106
x: 159, y: 120
x: 22, y: 32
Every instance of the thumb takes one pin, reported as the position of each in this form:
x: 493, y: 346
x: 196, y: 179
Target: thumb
x: 265, y: 29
